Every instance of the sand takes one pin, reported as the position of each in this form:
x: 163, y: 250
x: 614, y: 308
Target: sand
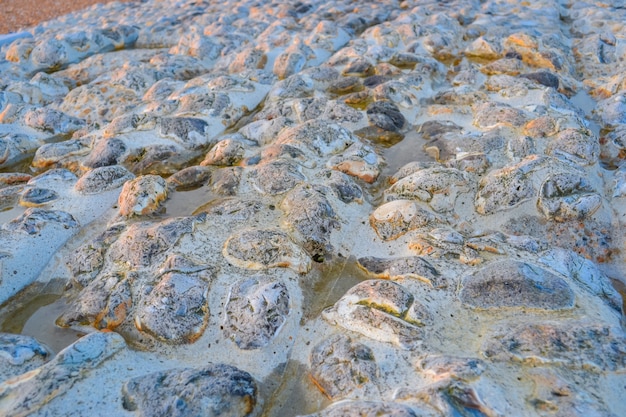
x: 19, y: 14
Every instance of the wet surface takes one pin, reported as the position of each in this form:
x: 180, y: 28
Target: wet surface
x: 36, y: 318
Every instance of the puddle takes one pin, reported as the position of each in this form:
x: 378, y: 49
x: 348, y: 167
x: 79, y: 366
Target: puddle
x: 332, y: 282
x: 36, y: 318
x: 185, y: 203
x: 621, y: 289
x: 587, y: 104
x: 297, y: 395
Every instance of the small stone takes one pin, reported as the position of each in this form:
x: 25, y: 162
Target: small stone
x: 544, y: 78
x: 190, y: 178
x: 33, y: 220
x: 226, y: 152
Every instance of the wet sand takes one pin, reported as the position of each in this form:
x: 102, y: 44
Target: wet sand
x: 19, y: 14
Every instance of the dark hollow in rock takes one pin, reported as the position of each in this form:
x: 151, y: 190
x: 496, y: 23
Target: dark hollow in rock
x: 213, y: 390
x: 516, y: 284
x: 544, y: 78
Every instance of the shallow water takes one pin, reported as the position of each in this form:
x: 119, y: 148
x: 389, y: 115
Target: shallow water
x: 36, y: 318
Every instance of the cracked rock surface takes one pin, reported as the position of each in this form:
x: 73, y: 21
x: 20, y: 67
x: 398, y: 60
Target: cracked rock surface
x: 315, y: 208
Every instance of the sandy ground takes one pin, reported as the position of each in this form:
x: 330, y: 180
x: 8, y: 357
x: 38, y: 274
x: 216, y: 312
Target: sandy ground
x: 16, y: 14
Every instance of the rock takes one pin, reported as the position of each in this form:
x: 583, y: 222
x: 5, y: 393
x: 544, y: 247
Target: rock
x: 277, y: 177
x: 103, y: 179
x: 385, y: 115
x: 506, y: 188
x: 489, y: 115
x: 342, y: 368
x: 308, y: 211
x: 225, y: 152
x: 176, y: 309
x: 190, y: 178
x: 437, y: 186
x: 36, y: 197
x: 20, y: 354
x: 212, y: 390
x: 396, y: 268
x: 590, y: 346
x: 574, y: 146
x: 395, y: 218
x: 380, y: 310
x: 188, y: 131
x: 359, y: 161
x: 567, y: 196
x: 262, y: 249
x: 33, y: 220
x: 28, y: 393
x: 516, y: 285
x: 256, y: 310
x: 365, y: 409
x: 142, y: 195
x: 142, y: 244
x: 106, y: 152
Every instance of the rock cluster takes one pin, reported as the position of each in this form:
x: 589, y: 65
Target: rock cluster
x: 404, y: 208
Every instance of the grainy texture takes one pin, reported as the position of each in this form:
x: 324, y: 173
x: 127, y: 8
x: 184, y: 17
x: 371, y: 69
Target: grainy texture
x: 19, y: 14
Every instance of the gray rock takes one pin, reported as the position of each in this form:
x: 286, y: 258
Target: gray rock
x: 24, y: 395
x: 176, y: 309
x: 20, y: 354
x: 403, y: 267
x: 143, y: 244
x: 212, y: 391
x: 190, y: 132
x: 385, y: 115
x: 52, y: 121
x: 365, y: 409
x: 380, y: 310
x: 516, y: 284
x: 35, y: 197
x: 103, y: 179
x: 574, y: 146
x: 190, y: 178
x: 106, y: 152
x: 256, y: 310
x: 342, y: 368
x: 263, y: 249
x: 277, y: 177
x: 103, y: 303
x: 567, y: 196
x: 309, y: 212
x: 578, y: 345
x: 33, y: 220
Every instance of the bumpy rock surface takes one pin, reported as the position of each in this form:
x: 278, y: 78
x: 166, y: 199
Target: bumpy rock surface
x: 325, y: 208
